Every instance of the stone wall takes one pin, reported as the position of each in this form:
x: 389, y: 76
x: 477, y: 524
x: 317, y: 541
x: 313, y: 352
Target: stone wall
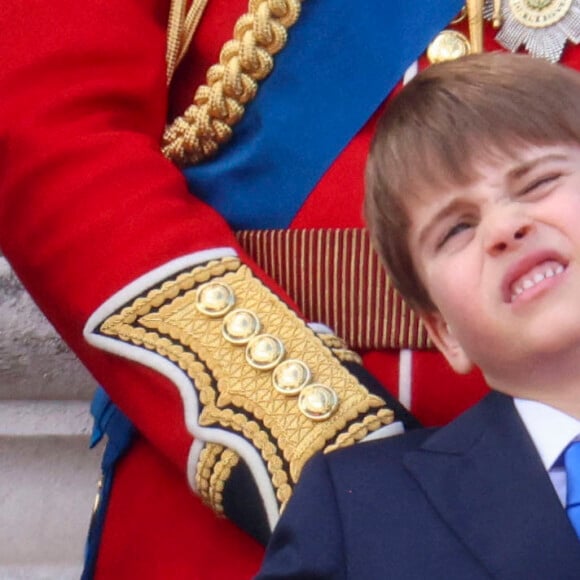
x: 49, y: 477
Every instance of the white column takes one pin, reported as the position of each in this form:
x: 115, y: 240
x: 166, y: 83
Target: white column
x: 48, y: 475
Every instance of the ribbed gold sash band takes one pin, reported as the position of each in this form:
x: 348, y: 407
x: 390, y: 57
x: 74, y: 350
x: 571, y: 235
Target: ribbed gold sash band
x: 335, y: 276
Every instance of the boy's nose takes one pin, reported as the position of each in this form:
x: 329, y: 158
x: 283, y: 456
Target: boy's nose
x: 507, y: 236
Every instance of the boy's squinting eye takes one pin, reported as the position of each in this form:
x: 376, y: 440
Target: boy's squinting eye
x: 452, y: 232
x: 539, y: 183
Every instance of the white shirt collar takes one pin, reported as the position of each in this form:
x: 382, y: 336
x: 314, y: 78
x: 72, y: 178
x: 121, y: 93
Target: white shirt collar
x: 551, y: 430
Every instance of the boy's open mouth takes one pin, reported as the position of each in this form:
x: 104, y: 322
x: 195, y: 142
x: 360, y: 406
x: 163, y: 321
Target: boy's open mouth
x: 531, y: 272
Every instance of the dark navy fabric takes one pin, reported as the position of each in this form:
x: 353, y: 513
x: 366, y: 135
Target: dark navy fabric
x: 109, y: 421
x: 469, y: 500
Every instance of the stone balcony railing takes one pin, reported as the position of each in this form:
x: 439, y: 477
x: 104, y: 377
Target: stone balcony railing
x: 47, y: 475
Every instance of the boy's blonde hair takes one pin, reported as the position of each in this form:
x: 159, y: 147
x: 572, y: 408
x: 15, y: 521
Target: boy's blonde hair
x: 442, y: 123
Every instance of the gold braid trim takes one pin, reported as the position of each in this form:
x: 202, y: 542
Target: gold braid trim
x: 221, y: 473
x: 234, y: 396
x: 339, y: 348
x: 360, y: 430
x: 214, y: 468
x: 181, y: 27
x: 205, y: 465
x: 231, y: 84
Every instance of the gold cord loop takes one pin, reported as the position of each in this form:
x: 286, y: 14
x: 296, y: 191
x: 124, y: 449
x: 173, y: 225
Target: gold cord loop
x: 218, y: 105
x: 181, y: 27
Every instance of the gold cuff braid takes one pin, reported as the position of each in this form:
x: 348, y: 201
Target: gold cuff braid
x: 213, y: 470
x: 235, y: 395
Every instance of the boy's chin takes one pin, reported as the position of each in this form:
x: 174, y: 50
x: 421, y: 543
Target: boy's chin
x: 550, y: 364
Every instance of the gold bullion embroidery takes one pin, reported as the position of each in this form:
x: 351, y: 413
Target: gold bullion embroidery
x: 235, y: 396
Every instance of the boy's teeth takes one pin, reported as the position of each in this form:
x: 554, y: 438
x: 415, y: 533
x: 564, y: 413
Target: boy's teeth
x: 548, y: 270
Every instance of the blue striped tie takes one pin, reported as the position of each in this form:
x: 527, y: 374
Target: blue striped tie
x: 572, y: 463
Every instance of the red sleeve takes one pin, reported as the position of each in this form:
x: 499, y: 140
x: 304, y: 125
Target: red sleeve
x: 87, y: 201
x: 89, y: 207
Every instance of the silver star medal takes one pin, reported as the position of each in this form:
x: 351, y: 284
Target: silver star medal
x: 542, y: 26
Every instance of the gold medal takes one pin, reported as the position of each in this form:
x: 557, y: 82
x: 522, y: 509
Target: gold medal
x: 448, y: 45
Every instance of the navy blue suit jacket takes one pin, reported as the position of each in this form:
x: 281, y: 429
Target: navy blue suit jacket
x: 468, y: 501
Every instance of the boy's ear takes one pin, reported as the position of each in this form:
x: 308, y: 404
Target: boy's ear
x: 444, y: 339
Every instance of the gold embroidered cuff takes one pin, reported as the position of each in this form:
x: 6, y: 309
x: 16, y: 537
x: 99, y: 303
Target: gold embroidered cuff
x: 262, y: 378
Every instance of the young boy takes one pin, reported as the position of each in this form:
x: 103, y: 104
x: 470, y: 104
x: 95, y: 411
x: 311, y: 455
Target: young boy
x: 473, y: 201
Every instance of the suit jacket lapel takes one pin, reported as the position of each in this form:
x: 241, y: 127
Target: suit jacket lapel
x: 483, y: 475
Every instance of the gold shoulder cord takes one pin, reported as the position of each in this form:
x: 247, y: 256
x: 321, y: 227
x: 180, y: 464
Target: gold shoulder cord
x: 181, y: 27
x: 231, y: 84
x: 475, y: 19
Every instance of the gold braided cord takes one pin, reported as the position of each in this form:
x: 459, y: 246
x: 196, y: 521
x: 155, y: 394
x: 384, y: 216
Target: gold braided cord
x: 214, y: 468
x: 231, y: 84
x: 181, y: 27
x: 475, y: 19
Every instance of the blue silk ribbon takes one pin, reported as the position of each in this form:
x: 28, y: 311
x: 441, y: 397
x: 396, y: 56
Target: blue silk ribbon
x: 341, y: 60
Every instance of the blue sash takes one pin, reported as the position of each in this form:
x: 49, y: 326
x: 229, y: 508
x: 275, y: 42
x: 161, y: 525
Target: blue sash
x: 341, y: 61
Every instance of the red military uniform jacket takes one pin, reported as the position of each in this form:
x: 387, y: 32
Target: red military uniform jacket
x: 92, y: 214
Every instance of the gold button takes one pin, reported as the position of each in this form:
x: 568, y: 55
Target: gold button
x: 215, y: 299
x: 264, y: 351
x: 318, y: 402
x: 290, y: 377
x: 240, y: 326
x: 448, y: 45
